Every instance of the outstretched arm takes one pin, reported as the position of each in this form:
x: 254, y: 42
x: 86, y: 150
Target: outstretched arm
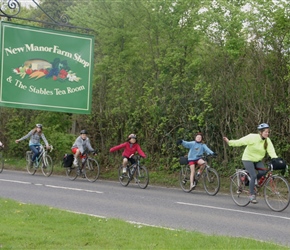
x: 226, y: 140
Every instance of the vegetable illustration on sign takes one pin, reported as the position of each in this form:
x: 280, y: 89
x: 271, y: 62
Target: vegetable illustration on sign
x: 38, y: 68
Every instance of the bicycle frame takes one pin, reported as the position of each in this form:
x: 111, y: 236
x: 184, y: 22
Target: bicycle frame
x: 44, y: 161
x: 89, y: 168
x: 275, y: 188
x: 209, y: 176
x: 134, y: 171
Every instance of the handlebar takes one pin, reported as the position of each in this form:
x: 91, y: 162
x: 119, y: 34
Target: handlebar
x: 44, y: 147
x: 136, y: 157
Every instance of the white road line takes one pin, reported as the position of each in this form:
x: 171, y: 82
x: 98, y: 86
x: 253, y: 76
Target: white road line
x: 21, y: 182
x: 52, y: 186
x: 233, y: 210
x: 74, y: 189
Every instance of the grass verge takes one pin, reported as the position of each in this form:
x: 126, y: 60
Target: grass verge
x: 26, y: 226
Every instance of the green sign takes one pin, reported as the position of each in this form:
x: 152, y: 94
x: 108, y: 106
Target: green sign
x: 45, y: 69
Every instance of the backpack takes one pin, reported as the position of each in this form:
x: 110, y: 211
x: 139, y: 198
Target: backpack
x: 67, y: 160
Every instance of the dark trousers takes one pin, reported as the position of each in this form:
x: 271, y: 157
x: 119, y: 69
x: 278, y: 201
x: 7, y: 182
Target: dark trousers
x: 251, y: 167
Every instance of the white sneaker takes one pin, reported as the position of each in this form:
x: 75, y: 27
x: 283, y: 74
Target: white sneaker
x: 124, y: 170
x: 75, y: 162
x: 192, y: 186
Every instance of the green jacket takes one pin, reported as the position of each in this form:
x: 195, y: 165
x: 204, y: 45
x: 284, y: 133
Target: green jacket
x: 254, y: 150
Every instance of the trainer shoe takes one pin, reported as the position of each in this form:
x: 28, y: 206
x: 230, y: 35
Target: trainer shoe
x: 124, y: 170
x: 75, y: 162
x: 192, y: 186
x: 253, y: 199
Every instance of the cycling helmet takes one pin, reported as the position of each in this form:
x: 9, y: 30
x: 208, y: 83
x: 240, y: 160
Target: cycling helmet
x: 263, y: 126
x: 38, y: 125
x: 132, y: 136
x: 83, y: 132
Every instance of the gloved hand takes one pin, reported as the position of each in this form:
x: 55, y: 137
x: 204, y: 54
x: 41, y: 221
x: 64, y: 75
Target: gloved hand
x: 214, y: 154
x: 94, y: 152
x: 178, y: 142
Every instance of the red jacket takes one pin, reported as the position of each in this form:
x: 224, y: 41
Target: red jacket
x: 129, y: 149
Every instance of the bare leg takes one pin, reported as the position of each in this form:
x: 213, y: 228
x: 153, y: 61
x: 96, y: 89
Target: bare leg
x: 125, y: 163
x: 192, y: 173
x: 76, y: 160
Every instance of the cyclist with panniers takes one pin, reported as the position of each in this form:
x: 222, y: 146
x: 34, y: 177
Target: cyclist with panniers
x: 257, y: 146
x: 197, y: 149
x: 81, y: 145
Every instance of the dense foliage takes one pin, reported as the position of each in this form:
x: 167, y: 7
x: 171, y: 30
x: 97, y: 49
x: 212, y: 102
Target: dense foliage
x: 167, y: 69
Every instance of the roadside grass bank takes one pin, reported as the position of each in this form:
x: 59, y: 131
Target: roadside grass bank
x: 27, y: 226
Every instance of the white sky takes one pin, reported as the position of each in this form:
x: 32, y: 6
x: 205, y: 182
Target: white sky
x: 26, y: 3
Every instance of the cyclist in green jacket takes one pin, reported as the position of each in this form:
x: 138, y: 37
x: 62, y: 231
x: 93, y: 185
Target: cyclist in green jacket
x: 257, y: 145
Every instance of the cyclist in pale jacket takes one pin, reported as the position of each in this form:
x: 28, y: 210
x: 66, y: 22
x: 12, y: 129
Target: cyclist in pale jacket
x: 34, y: 142
x: 196, y: 150
x: 257, y: 145
x: 81, y: 145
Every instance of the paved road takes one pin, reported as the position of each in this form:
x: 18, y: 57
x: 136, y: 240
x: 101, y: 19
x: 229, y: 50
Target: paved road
x: 158, y: 206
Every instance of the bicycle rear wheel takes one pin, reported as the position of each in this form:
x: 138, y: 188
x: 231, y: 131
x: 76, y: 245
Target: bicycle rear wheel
x: 142, y: 177
x: 184, y: 178
x: 92, y: 170
x: 211, y: 181
x: 1, y: 162
x: 29, y: 165
x: 124, y: 178
x: 239, y: 190
x: 276, y: 193
x: 47, y: 166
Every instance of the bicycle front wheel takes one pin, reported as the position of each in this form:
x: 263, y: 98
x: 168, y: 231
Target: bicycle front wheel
x: 211, y: 181
x: 29, y: 164
x: 240, y: 190
x: 1, y: 162
x: 92, y: 170
x: 124, y: 178
x: 142, y: 177
x: 276, y: 193
x: 184, y: 178
x: 47, y: 166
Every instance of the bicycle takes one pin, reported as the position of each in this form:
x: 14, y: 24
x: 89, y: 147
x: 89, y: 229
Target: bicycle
x: 1, y: 159
x: 209, y: 176
x: 276, y: 189
x: 89, y: 169
x: 134, y: 171
x: 44, y: 161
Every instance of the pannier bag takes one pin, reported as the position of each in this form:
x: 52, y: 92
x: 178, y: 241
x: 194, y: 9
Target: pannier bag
x: 278, y: 164
x: 183, y: 160
x: 68, y: 160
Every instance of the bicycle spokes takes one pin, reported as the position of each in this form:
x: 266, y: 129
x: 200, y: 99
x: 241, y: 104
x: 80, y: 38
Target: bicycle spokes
x: 239, y: 190
x: 276, y: 193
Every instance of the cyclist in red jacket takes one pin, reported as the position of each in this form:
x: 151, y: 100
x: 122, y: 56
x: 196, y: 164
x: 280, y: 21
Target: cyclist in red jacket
x: 130, y: 148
